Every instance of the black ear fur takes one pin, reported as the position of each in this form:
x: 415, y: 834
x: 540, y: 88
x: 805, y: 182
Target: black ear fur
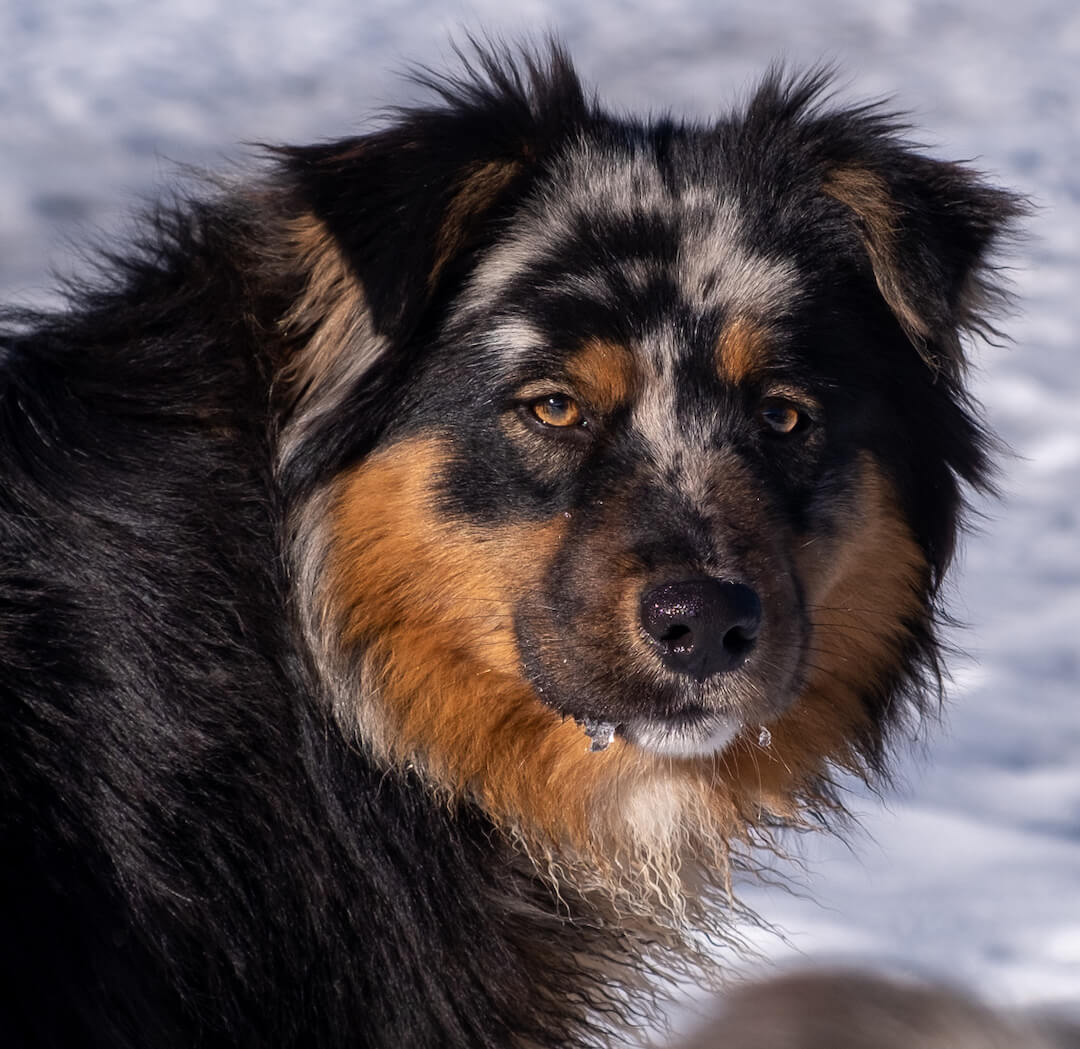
x: 930, y: 230
x: 405, y: 203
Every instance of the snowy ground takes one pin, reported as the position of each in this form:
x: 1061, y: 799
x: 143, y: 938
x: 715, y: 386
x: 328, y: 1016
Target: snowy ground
x: 972, y: 868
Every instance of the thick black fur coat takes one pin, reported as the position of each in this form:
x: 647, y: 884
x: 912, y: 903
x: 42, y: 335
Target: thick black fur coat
x: 198, y: 847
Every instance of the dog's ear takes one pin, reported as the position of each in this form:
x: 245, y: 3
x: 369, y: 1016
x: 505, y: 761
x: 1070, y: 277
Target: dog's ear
x: 926, y: 229
x: 405, y: 204
x: 382, y: 228
x: 929, y: 229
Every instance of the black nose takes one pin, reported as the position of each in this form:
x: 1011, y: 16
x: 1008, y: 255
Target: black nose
x: 702, y: 626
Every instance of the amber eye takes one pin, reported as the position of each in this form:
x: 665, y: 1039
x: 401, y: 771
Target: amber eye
x: 781, y: 417
x: 557, y: 410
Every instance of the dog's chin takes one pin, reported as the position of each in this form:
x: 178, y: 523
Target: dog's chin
x: 682, y: 738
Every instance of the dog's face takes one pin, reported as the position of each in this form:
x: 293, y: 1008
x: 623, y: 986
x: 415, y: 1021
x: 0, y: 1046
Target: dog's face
x: 648, y: 442
x: 627, y: 381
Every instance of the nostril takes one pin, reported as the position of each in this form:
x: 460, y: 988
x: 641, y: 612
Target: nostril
x: 738, y: 641
x: 679, y: 637
x: 670, y: 615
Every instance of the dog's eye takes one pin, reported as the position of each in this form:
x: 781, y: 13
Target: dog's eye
x: 557, y: 410
x: 782, y: 417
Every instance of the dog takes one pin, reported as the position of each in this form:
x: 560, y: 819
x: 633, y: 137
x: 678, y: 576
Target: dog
x: 847, y: 1009
x: 431, y: 562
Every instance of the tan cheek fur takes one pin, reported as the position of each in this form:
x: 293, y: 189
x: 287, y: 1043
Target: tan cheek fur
x: 860, y: 590
x: 431, y: 601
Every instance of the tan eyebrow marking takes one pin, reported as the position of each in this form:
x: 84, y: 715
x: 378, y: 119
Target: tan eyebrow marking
x: 604, y: 372
x: 742, y: 350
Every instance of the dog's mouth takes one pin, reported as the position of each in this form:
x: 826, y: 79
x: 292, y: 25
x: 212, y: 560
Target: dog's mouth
x: 691, y: 733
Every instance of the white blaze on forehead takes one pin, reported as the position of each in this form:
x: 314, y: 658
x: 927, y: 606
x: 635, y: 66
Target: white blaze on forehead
x: 718, y: 266
x: 678, y: 442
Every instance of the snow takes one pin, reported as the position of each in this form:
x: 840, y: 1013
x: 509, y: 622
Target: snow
x: 971, y: 867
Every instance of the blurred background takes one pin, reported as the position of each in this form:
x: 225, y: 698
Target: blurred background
x: 968, y: 867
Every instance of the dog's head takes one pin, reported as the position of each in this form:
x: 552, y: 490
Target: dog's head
x: 627, y: 457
